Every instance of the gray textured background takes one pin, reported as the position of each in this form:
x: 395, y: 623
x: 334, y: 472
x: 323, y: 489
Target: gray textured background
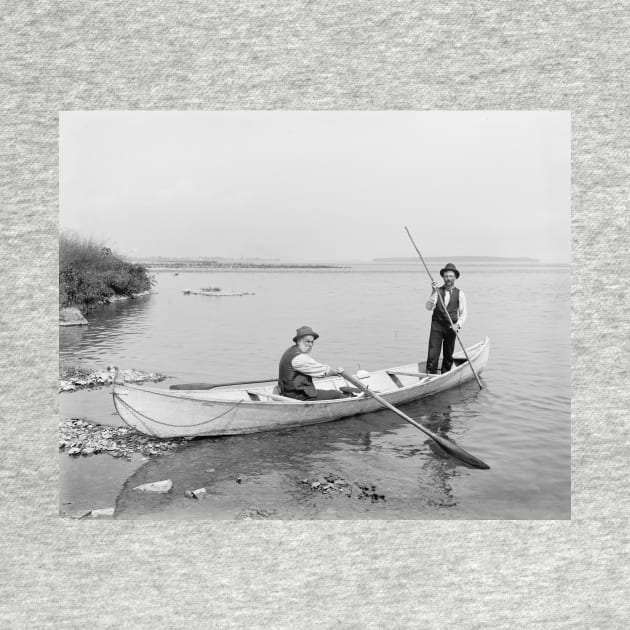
x: 313, y: 55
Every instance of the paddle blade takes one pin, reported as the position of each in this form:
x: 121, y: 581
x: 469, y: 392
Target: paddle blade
x: 457, y: 451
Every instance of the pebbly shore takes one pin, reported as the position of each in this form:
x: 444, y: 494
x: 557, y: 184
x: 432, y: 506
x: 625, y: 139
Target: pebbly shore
x: 78, y: 437
x: 75, y: 378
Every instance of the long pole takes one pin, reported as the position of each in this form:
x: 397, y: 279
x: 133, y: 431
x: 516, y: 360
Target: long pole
x: 448, y: 445
x: 450, y: 321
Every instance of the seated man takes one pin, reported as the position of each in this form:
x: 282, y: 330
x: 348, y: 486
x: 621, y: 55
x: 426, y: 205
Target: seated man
x: 297, y: 369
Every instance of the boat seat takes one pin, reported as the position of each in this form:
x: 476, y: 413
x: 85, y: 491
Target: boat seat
x: 257, y: 396
x: 405, y: 373
x: 394, y: 378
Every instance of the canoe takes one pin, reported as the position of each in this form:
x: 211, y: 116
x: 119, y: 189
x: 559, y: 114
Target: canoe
x: 254, y: 408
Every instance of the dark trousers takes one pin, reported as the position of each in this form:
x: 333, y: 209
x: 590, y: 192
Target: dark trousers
x: 322, y: 394
x: 442, y: 338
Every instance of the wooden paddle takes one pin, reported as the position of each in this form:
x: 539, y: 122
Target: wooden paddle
x: 448, y: 445
x: 213, y: 385
x: 444, y: 307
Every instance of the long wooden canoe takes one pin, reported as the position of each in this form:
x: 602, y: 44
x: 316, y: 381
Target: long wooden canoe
x: 234, y: 410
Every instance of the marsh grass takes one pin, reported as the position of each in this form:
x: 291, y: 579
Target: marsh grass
x: 89, y: 273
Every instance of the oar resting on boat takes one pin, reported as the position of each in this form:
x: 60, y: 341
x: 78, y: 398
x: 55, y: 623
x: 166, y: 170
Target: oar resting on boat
x: 192, y: 386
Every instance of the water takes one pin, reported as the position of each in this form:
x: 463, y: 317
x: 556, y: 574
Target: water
x: 371, y: 316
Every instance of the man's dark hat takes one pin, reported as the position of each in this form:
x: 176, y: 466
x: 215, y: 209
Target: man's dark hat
x: 449, y: 267
x: 302, y: 331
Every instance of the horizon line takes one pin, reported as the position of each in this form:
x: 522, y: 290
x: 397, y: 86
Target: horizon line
x: 393, y: 259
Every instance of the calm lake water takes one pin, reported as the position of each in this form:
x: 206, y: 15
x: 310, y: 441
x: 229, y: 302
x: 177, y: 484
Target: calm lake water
x: 372, y: 316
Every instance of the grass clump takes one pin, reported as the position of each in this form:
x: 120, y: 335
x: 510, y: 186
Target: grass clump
x: 89, y: 273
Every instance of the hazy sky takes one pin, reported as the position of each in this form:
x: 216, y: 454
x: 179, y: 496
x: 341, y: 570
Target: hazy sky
x: 318, y: 185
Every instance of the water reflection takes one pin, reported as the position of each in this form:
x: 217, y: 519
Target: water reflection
x: 377, y: 449
x: 108, y: 328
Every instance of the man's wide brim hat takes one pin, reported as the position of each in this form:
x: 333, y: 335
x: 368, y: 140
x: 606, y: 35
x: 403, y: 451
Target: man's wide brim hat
x: 449, y: 267
x: 302, y: 331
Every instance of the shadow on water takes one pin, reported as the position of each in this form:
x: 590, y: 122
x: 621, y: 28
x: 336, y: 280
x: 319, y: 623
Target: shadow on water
x: 377, y: 449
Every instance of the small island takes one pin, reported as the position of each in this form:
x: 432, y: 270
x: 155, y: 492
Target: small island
x: 216, y: 292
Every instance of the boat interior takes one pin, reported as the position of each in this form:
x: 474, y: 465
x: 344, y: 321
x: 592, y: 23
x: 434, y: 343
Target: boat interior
x: 379, y: 381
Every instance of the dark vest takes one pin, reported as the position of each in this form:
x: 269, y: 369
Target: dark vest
x: 290, y: 380
x: 452, y: 307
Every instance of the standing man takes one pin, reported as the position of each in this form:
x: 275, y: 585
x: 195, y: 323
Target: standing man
x: 297, y: 369
x: 442, y: 335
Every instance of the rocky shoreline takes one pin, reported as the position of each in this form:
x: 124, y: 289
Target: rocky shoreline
x: 72, y: 379
x: 79, y: 437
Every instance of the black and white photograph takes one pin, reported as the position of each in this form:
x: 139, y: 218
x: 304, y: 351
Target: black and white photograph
x: 314, y: 315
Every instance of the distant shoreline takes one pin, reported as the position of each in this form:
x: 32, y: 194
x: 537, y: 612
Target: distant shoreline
x: 462, y: 258
x: 205, y: 265
x: 208, y: 264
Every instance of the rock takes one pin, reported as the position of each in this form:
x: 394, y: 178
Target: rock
x: 157, y: 486
x: 315, y: 485
x: 103, y: 377
x: 200, y: 493
x: 88, y: 451
x: 209, y: 470
x: 239, y: 480
x: 71, y: 317
x: 103, y: 513
x: 189, y: 495
x: 82, y: 514
x: 74, y: 451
